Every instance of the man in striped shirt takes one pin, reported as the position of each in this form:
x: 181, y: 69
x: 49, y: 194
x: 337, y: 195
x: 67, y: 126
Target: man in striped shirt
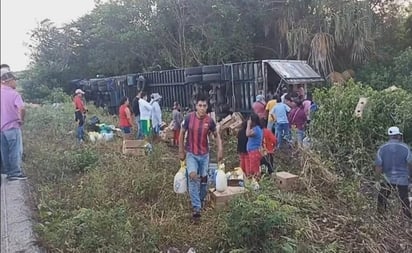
x: 198, y: 126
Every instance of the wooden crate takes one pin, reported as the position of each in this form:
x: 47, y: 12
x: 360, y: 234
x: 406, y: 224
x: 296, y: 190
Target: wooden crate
x: 220, y: 199
x: 226, y: 122
x: 238, y: 116
x: 286, y: 181
x: 128, y: 136
x: 134, y: 147
x: 236, y: 125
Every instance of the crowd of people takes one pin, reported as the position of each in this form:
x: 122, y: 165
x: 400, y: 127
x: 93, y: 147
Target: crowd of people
x: 272, y: 123
x: 265, y: 130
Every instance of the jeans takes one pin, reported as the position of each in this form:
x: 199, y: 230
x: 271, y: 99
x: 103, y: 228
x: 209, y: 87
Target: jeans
x: 198, y: 164
x: 139, y: 127
x: 270, y: 125
x: 11, y: 151
x: 282, y: 129
x: 80, y: 117
x: 126, y: 130
x: 267, y: 160
x: 386, y: 190
x: 300, y: 134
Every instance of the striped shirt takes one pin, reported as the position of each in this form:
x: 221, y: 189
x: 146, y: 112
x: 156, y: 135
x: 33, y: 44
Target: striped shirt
x: 198, y: 130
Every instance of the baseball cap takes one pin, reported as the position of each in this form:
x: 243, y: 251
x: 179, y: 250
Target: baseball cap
x: 79, y: 91
x: 260, y: 98
x: 6, y: 74
x: 394, y: 131
x: 156, y: 96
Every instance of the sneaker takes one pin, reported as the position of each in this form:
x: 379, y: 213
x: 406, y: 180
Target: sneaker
x: 196, y: 217
x: 19, y: 177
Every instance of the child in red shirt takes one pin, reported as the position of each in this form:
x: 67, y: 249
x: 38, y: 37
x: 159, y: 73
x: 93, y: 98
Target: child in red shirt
x: 269, y: 146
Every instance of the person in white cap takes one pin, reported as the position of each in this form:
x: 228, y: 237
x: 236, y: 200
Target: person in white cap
x: 12, y: 119
x: 156, y: 113
x: 79, y: 114
x: 394, y: 161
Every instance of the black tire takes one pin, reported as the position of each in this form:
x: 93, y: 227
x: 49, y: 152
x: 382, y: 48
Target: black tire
x: 213, y: 69
x: 193, y: 71
x: 193, y: 79
x: 212, y: 77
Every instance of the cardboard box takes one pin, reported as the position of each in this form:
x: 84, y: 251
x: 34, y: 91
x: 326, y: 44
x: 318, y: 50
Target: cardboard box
x: 134, y: 147
x: 220, y: 199
x: 236, y: 182
x: 361, y: 107
x: 286, y: 181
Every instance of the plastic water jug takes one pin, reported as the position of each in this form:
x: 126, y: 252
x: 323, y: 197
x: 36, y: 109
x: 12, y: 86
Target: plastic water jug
x: 107, y: 136
x: 221, y: 180
x: 255, y: 185
x: 180, y: 180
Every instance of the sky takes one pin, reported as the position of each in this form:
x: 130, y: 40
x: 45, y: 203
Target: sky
x: 19, y: 17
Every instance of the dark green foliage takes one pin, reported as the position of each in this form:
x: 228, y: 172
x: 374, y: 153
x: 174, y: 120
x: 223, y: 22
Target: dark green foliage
x: 259, y: 225
x: 352, y: 142
x: 397, y: 71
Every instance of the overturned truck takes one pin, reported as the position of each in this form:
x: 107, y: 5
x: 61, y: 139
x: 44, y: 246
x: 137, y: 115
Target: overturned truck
x: 230, y: 87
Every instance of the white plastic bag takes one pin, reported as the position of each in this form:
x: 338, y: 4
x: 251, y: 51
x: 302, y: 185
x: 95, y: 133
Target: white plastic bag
x: 180, y: 180
x: 221, y: 179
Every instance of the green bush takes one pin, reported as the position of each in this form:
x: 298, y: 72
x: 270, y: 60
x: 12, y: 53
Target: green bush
x: 57, y: 95
x: 397, y: 71
x: 87, y: 230
x: 260, y: 225
x: 350, y: 141
x: 81, y: 160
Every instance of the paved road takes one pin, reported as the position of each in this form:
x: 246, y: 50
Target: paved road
x: 16, y: 222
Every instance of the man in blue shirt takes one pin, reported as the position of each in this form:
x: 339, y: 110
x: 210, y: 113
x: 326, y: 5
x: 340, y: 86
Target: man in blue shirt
x: 394, y: 161
x: 280, y: 113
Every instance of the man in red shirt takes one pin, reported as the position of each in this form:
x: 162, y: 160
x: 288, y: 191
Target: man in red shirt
x: 198, y: 126
x: 79, y: 114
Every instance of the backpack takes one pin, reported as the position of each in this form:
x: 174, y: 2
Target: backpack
x: 314, y: 107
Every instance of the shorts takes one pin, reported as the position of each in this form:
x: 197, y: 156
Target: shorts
x: 146, y: 127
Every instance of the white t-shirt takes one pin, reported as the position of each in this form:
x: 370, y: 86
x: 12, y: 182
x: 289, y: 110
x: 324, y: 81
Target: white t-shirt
x: 156, y: 114
x: 282, y: 98
x: 145, y: 110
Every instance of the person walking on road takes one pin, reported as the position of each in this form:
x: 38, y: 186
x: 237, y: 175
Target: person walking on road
x: 198, y: 126
x: 394, y: 161
x: 12, y: 119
